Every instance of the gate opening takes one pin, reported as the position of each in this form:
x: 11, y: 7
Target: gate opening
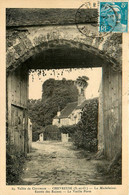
x: 66, y: 55
x: 57, y: 98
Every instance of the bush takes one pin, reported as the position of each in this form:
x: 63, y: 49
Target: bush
x: 115, y: 168
x: 68, y: 129
x: 35, y: 136
x: 14, y: 166
x: 52, y: 132
x: 85, y: 135
x: 112, y: 171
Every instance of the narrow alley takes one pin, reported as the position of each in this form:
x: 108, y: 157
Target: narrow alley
x: 60, y: 163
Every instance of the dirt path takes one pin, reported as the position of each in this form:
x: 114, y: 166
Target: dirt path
x: 59, y: 163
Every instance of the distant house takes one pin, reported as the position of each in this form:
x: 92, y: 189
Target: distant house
x: 71, y: 114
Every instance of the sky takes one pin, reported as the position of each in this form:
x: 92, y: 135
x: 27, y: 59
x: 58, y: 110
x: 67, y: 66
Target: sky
x: 46, y: 4
x: 94, y: 74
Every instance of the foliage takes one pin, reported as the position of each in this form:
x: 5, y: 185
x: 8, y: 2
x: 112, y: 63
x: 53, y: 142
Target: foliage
x: 115, y: 168
x: 82, y: 81
x: 52, y: 132
x: 112, y: 170
x: 85, y: 135
x: 55, y: 94
x: 68, y: 129
x: 116, y: 172
x: 35, y: 136
x: 14, y: 165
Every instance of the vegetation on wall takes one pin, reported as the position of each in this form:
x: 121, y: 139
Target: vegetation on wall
x: 82, y: 81
x: 84, y: 134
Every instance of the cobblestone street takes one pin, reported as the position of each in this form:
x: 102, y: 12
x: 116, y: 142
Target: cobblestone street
x: 59, y: 163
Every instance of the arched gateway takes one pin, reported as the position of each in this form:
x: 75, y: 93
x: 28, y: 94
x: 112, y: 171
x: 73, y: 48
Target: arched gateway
x: 62, y: 46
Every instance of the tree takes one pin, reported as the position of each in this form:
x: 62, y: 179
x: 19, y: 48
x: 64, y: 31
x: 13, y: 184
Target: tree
x: 55, y: 94
x: 85, y: 135
x: 82, y: 81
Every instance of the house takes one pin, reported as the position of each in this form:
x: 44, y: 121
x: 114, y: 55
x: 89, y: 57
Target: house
x: 71, y: 114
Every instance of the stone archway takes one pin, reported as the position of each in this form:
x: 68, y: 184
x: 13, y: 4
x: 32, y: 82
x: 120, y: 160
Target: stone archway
x: 48, y: 47
x: 23, y: 43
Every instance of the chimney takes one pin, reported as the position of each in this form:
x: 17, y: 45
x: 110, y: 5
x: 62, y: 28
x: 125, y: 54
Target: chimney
x: 58, y: 112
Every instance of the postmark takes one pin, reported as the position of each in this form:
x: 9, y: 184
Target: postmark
x: 113, y: 17
x: 87, y: 14
x: 107, y: 17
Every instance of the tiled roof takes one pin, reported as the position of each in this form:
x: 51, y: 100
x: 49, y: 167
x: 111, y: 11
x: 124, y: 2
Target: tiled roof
x: 84, y: 103
x: 67, y: 110
x: 72, y: 106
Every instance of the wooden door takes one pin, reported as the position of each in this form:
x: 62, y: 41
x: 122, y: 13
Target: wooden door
x: 112, y: 111
x: 17, y: 120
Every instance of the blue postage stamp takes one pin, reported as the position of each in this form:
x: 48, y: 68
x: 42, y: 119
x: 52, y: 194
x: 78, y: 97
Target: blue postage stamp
x: 113, y: 17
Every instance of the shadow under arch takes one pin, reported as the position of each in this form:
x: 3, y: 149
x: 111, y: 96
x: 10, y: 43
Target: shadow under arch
x: 62, y: 53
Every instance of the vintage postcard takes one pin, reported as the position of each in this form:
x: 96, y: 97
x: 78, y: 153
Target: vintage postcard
x: 64, y: 97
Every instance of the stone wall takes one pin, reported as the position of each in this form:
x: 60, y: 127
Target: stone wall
x: 43, y: 17
x: 24, y: 43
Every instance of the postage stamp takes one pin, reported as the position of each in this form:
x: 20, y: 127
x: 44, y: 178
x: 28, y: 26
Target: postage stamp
x: 113, y: 17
